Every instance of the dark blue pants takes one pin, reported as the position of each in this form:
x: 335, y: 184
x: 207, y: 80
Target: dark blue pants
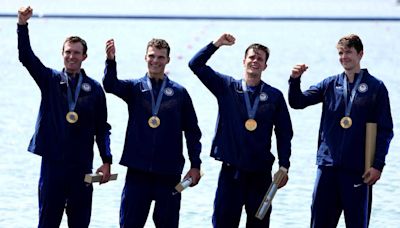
x: 235, y: 190
x: 140, y: 190
x: 337, y: 190
x: 62, y: 186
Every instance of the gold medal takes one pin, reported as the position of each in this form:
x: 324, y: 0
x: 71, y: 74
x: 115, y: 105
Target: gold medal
x: 346, y: 122
x: 250, y: 124
x: 72, y: 117
x: 154, y: 122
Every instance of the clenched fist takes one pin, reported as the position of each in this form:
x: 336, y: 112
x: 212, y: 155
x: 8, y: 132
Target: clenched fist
x: 24, y: 13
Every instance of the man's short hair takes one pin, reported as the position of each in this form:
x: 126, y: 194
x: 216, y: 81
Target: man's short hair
x: 257, y: 46
x: 350, y: 41
x: 76, y: 39
x: 159, y: 44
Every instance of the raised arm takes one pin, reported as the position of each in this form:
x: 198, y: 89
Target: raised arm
x: 213, y: 80
x: 225, y: 39
x: 25, y: 54
x: 120, y: 88
x: 299, y: 99
x: 298, y: 70
x: 110, y: 49
x: 24, y: 13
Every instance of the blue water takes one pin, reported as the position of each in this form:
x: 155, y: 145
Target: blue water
x: 290, y: 42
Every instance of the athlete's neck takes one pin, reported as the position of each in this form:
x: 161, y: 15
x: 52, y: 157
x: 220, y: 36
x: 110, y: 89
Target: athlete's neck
x: 252, y: 80
x: 350, y: 74
x: 73, y: 74
x: 156, y: 77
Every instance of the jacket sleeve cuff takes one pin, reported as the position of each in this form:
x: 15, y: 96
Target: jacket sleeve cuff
x: 378, y: 165
x: 196, y: 165
x: 294, y: 80
x: 107, y: 160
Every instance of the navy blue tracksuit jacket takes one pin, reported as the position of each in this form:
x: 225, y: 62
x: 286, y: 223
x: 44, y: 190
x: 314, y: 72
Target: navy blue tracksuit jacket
x: 346, y: 147
x: 54, y: 137
x: 233, y: 144
x: 156, y: 150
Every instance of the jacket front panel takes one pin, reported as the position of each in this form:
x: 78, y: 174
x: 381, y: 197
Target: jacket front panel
x: 158, y: 149
x: 54, y: 137
x: 339, y: 146
x: 233, y: 143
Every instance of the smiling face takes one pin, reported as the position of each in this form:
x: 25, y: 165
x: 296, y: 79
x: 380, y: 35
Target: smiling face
x: 349, y: 58
x: 156, y: 60
x: 350, y: 50
x: 157, y: 57
x: 73, y: 54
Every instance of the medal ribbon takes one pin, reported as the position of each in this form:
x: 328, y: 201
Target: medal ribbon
x: 72, y: 102
x: 251, y: 111
x: 353, y: 93
x: 155, y: 106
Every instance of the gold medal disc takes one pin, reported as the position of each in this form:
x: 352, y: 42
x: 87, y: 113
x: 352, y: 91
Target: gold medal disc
x: 154, y: 122
x: 72, y: 117
x: 346, y: 122
x: 250, y: 124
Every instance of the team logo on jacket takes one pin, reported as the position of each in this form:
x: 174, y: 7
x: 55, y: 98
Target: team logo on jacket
x: 363, y: 88
x: 168, y: 91
x: 86, y: 87
x: 263, y: 96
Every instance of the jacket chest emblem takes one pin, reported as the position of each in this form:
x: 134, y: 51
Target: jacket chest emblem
x: 363, y: 88
x: 168, y: 92
x: 263, y: 96
x: 86, y: 87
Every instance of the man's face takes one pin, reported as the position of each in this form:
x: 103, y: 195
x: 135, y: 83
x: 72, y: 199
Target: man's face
x: 349, y: 58
x: 156, y: 60
x: 73, y: 56
x: 255, y: 62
